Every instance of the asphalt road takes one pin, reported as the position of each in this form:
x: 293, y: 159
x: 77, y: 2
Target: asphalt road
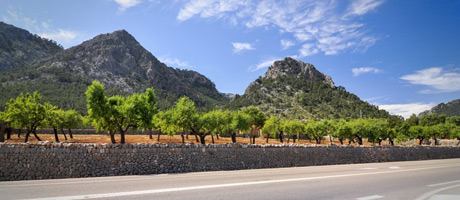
x: 434, y: 180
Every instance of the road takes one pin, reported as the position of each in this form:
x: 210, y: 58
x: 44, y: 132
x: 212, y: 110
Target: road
x: 433, y: 179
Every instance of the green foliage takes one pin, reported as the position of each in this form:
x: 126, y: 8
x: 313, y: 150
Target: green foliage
x: 298, y: 98
x: 273, y: 126
x: 26, y: 111
x: 293, y: 127
x: 257, y: 117
x: 118, y: 113
x: 432, y: 119
x: 185, y: 115
x: 241, y: 121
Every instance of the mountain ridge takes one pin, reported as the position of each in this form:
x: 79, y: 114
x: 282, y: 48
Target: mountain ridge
x: 117, y: 60
x: 451, y: 108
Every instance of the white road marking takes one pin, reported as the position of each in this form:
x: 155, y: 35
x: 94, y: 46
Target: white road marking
x: 431, y: 193
x: 445, y: 197
x: 370, y: 197
x: 368, y: 168
x: 118, y: 194
x: 445, y: 183
x: 394, y: 167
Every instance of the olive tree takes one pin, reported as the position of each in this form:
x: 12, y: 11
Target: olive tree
x: 27, y: 111
x: 118, y: 113
x: 274, y: 127
x: 258, y: 119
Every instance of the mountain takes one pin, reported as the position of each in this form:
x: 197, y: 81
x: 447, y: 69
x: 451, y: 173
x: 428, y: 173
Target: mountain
x: 295, y: 89
x: 19, y: 47
x: 120, y: 63
x: 451, y: 108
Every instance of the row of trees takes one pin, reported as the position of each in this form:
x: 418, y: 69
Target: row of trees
x: 27, y: 112
x: 118, y: 114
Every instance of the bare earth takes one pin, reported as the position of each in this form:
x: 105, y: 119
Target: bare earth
x: 163, y: 139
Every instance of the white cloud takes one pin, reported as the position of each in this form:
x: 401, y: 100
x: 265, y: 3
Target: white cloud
x: 436, y: 78
x: 361, y: 7
x: 364, y: 70
x: 265, y: 63
x: 285, y: 44
x: 125, y: 4
x: 406, y: 110
x: 239, y: 46
x: 319, y: 26
x: 64, y: 36
x: 174, y: 62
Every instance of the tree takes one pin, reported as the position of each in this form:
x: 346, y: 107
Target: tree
x: 240, y: 122
x: 3, y: 124
x: 274, y: 127
x: 316, y: 130
x: 343, y: 131
x: 258, y: 119
x: 71, y: 119
x: 118, y: 113
x: 186, y: 117
x: 418, y: 132
x: 413, y: 120
x: 27, y: 111
x: 359, y: 129
x: 52, y: 120
x: 293, y: 128
x: 432, y: 119
x: 164, y: 123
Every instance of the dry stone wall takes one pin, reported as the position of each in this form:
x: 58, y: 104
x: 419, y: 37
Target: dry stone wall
x: 66, y: 160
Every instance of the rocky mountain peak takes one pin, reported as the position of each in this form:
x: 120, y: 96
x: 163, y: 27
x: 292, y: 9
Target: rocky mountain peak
x: 296, y: 68
x: 20, y: 48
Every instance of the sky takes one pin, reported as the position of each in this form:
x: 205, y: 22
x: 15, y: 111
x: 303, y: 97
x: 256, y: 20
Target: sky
x: 403, y: 56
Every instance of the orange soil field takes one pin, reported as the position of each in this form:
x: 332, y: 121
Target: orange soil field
x: 163, y: 139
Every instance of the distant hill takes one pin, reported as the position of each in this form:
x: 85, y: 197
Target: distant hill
x: 295, y: 89
x: 117, y: 60
x: 451, y: 108
x: 19, y: 47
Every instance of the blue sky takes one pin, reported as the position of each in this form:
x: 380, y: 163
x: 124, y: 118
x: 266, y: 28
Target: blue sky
x: 403, y: 56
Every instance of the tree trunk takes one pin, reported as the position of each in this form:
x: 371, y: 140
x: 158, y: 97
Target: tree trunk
x: 36, y: 136
x: 186, y: 136
x: 268, y: 136
x: 196, y: 137
x: 150, y: 134
x: 360, y: 140
x: 253, y: 139
x: 380, y: 142
x: 392, y: 143
x: 27, y: 136
x: 62, y: 130
x: 341, y: 140
x: 217, y: 135
x: 289, y: 139
x: 281, y: 136
x: 294, y: 138
x: 19, y: 133
x: 349, y: 142
x: 212, y: 138
x: 159, y: 133
x: 70, y: 133
x: 182, y: 136
x: 2, y: 131
x: 234, y: 137
x: 435, y: 141
x: 420, y: 141
x: 8, y: 133
x: 112, y: 137
x: 56, y: 137
x: 202, y: 136
x: 318, y: 141
x: 330, y: 139
x: 122, y: 139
